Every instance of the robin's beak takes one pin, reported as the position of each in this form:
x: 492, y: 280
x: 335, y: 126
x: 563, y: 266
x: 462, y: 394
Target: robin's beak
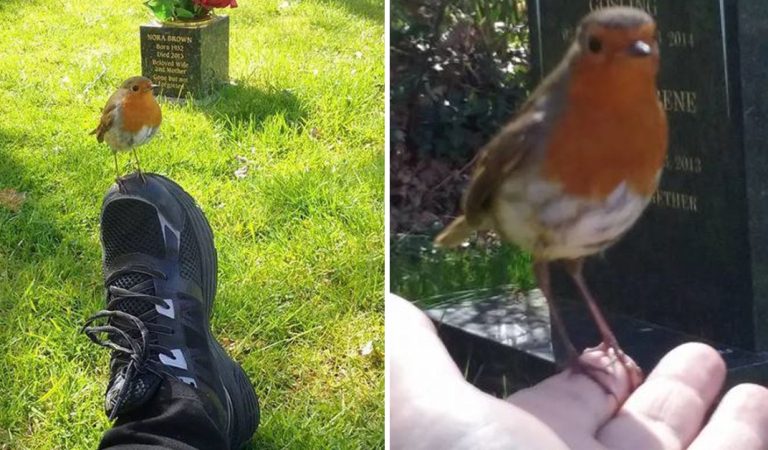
x: 640, y: 49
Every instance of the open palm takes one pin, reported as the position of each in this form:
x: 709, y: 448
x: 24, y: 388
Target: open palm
x: 432, y: 406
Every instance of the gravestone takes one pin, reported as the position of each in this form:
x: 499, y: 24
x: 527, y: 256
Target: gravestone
x: 501, y: 339
x: 186, y: 57
x: 693, y: 262
x: 695, y: 267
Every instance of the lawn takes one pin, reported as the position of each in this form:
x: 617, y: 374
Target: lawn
x: 300, y: 237
x: 428, y: 276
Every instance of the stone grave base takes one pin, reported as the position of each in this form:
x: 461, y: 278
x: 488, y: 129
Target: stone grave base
x: 503, y: 342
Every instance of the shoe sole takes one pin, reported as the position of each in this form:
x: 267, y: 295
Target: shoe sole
x: 232, y: 374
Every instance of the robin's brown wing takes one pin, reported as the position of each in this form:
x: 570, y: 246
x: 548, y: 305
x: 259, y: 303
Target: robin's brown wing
x: 502, y: 156
x: 108, y: 115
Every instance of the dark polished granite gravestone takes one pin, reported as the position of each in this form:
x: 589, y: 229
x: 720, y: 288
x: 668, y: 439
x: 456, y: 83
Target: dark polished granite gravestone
x: 695, y: 267
x: 186, y: 57
x: 694, y: 261
x: 501, y: 339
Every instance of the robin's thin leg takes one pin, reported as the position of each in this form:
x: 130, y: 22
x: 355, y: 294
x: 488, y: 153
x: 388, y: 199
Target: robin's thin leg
x: 117, y: 172
x: 138, y: 166
x: 574, y: 361
x: 541, y: 272
x: 575, y: 269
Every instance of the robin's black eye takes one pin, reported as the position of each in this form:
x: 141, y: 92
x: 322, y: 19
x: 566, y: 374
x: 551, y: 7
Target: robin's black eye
x: 135, y: 89
x: 594, y: 45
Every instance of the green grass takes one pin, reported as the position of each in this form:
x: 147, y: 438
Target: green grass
x: 429, y: 276
x: 300, y: 239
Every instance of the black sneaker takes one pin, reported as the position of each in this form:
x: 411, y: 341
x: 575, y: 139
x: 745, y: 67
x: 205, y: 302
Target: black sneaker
x: 160, y: 275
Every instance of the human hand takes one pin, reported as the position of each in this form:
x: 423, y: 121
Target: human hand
x: 432, y: 406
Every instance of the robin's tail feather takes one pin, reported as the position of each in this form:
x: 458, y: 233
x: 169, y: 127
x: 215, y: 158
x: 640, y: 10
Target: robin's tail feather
x: 99, y: 132
x: 454, y: 234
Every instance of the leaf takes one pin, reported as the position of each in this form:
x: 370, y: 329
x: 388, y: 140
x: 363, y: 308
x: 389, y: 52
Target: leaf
x: 241, y: 172
x: 12, y: 199
x: 228, y: 344
x: 366, y: 349
x: 182, y: 13
x: 163, y: 14
x: 159, y: 12
x: 162, y: 9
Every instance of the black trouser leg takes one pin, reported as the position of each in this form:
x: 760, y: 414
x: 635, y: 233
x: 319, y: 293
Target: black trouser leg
x: 174, y: 419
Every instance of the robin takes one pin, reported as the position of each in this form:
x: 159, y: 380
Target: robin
x: 578, y: 165
x: 130, y: 118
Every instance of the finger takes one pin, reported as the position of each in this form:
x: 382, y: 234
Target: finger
x: 422, y: 359
x: 420, y: 372
x: 432, y: 406
x: 667, y: 411
x: 573, y: 402
x: 740, y: 422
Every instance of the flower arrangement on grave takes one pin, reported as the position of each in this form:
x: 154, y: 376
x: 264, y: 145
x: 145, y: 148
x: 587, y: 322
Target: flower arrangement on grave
x: 186, y: 10
x: 186, y: 50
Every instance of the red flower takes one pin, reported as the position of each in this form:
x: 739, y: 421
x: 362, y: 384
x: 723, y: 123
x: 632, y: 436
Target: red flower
x: 210, y: 4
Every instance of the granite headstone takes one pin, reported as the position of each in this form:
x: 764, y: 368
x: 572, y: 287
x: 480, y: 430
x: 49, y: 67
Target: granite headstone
x: 186, y: 57
x: 689, y: 263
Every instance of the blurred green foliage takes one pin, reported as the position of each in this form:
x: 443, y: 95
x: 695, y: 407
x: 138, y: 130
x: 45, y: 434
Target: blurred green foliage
x: 425, y: 274
x: 166, y: 10
x: 458, y: 72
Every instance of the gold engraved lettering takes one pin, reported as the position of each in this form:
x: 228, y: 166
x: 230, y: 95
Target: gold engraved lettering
x: 679, y: 101
x: 678, y: 39
x: 676, y: 200
x: 648, y: 6
x: 182, y: 39
x: 567, y: 34
x: 169, y: 61
x: 683, y: 163
x: 156, y: 37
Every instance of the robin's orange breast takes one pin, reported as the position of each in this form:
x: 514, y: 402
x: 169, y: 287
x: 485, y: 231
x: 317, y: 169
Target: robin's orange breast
x: 599, y: 168
x: 611, y: 131
x: 139, y: 111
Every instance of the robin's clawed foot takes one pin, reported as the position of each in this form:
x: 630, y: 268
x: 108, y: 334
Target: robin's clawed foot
x: 138, y: 167
x: 604, y: 365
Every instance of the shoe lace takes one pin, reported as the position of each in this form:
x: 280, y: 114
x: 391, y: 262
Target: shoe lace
x: 130, y: 336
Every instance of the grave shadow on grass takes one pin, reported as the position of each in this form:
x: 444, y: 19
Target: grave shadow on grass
x: 13, y: 5
x: 243, y: 107
x: 31, y: 233
x: 31, y: 237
